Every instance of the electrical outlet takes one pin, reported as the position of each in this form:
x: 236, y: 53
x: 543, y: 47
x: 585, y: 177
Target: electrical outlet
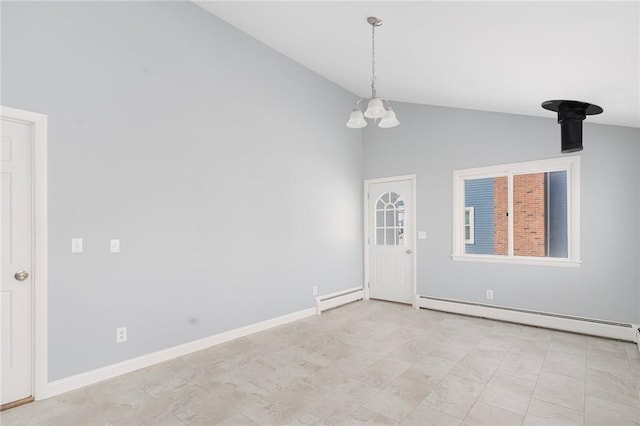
x: 489, y: 294
x: 315, y: 290
x: 121, y: 334
x: 114, y: 246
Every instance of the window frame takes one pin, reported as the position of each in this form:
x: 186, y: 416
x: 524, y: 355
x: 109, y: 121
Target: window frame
x: 572, y: 166
x: 472, y: 227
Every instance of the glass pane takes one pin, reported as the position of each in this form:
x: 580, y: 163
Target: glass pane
x: 394, y: 197
x: 379, y: 237
x: 557, y: 221
x: 400, y: 218
x: 390, y: 218
x: 400, y: 204
x: 379, y: 219
x: 489, y: 199
x: 529, y: 215
x: 401, y: 239
x: 391, y: 237
x: 380, y: 205
x: 466, y: 218
x: 385, y: 197
x: 540, y: 214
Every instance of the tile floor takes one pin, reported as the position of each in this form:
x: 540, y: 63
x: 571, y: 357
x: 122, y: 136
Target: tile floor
x: 371, y: 363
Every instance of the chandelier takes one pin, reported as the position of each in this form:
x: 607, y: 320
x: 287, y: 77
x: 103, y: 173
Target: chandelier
x: 378, y: 109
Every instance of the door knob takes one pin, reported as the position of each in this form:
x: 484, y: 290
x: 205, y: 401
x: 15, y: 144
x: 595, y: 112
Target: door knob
x: 21, y: 275
x: 408, y: 251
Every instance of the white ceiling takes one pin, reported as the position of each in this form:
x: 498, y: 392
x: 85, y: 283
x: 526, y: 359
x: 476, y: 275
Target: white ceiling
x: 491, y: 56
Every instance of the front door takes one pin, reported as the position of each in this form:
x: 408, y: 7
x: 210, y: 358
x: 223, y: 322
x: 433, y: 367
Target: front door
x: 16, y: 260
x: 390, y: 241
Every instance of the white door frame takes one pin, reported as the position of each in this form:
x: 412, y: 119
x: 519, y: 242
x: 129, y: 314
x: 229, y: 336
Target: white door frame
x: 39, y: 244
x: 368, y: 182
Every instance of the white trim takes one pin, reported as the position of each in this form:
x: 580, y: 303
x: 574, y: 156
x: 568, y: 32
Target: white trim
x: 367, y: 182
x: 390, y: 179
x: 573, y: 210
x: 39, y: 243
x: 524, y: 167
x: 414, y: 239
x: 510, y: 217
x: 367, y: 240
x: 572, y: 166
x: 590, y: 326
x: 339, y: 298
x: 518, y: 260
x: 90, y: 377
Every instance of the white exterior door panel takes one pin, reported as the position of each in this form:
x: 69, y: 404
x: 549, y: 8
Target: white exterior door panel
x: 391, y: 241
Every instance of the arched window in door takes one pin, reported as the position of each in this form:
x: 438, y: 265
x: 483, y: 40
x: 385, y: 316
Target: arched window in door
x: 389, y: 220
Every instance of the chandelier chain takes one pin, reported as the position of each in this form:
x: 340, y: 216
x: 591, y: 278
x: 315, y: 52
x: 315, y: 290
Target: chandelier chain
x: 373, y: 60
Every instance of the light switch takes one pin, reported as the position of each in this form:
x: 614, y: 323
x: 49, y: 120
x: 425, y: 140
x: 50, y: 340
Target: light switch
x: 76, y: 245
x: 422, y: 235
x: 114, y: 246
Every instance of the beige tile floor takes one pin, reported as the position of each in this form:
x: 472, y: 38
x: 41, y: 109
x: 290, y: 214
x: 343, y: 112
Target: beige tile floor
x: 371, y: 363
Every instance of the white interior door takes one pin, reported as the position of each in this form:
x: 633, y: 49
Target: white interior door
x: 16, y: 260
x: 391, y: 241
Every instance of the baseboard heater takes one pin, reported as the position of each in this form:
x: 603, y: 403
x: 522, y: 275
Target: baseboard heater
x: 338, y: 298
x: 594, y: 327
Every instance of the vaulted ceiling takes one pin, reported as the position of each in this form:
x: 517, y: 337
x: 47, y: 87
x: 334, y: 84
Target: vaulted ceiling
x: 491, y: 56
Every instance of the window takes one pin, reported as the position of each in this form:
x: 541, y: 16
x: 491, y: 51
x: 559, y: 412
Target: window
x: 469, y: 222
x: 518, y: 213
x: 389, y: 220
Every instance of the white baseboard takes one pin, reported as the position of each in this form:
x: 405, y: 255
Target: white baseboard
x: 339, y: 298
x: 103, y: 373
x: 594, y: 327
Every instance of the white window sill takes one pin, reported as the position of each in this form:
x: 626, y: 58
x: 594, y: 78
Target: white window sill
x: 519, y: 260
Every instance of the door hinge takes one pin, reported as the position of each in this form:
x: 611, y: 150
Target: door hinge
x: 368, y: 196
x: 369, y: 285
x: 368, y: 240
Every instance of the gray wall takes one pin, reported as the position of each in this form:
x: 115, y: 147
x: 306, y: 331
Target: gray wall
x: 196, y: 146
x: 432, y: 142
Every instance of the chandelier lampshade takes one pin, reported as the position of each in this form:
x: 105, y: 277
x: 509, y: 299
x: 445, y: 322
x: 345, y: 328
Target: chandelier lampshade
x: 389, y: 120
x: 375, y: 109
x: 356, y: 120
